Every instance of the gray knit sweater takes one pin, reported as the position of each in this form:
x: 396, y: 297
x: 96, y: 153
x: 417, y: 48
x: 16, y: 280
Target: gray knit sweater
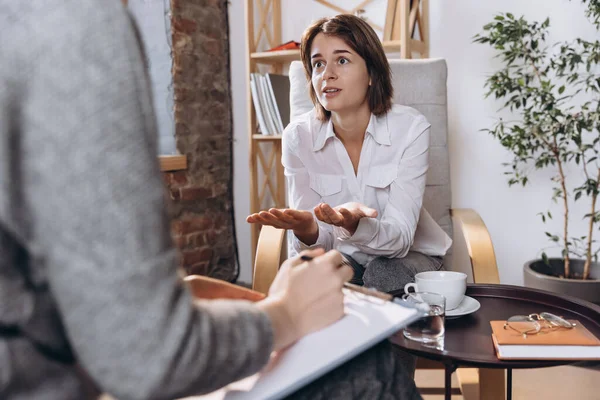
x: 85, y: 252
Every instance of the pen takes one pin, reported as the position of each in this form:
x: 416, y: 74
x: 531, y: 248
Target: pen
x: 424, y: 308
x: 356, y: 288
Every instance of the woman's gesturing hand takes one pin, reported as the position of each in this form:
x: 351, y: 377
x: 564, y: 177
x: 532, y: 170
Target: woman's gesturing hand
x: 302, y: 223
x: 347, y: 215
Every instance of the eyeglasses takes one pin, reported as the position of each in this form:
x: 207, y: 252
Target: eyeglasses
x: 533, y: 324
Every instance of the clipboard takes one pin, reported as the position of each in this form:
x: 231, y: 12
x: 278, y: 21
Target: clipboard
x: 368, y: 321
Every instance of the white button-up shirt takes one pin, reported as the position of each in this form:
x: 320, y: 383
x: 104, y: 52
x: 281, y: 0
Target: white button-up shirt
x: 390, y: 178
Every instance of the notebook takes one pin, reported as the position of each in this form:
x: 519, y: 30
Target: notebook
x: 366, y: 323
x: 563, y: 344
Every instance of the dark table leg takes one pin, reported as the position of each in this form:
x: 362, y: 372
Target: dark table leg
x: 449, y: 369
x: 508, y: 383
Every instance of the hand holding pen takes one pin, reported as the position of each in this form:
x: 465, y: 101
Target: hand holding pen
x: 353, y: 287
x: 311, y: 293
x: 374, y: 293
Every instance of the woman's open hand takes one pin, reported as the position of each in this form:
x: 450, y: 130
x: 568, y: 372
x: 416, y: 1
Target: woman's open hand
x: 302, y: 223
x: 347, y: 215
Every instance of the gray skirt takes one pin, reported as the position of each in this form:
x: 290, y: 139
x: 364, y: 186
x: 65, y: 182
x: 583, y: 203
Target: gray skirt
x: 391, y: 274
x: 378, y: 373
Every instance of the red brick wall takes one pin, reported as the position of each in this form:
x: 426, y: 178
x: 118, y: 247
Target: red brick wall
x: 201, y: 196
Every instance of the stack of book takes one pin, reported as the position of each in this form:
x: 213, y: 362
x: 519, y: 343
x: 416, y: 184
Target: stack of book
x: 577, y: 343
x: 270, y: 96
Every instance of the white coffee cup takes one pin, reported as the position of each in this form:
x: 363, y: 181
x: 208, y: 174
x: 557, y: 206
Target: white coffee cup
x: 450, y: 284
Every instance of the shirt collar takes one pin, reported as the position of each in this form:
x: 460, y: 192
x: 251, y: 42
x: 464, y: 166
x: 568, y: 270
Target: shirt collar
x: 377, y: 128
x: 325, y: 132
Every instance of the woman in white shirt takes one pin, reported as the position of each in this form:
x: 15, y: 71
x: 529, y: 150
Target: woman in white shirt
x: 356, y: 164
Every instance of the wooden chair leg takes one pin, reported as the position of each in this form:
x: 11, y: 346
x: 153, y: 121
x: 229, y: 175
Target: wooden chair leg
x: 492, y: 384
x: 481, y: 384
x: 468, y: 380
x: 268, y: 258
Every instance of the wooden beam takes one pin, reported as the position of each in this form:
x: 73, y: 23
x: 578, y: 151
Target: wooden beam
x: 424, y: 23
x: 172, y: 163
x: 266, y: 138
x: 263, y: 11
x: 351, y: 11
x: 280, y: 173
x: 418, y: 46
x: 389, y: 20
x: 276, y: 19
x: 414, y: 10
x: 276, y: 25
x: 403, y: 12
x: 266, y: 167
x: 275, y: 57
x: 251, y: 127
x: 332, y: 6
x: 361, y: 5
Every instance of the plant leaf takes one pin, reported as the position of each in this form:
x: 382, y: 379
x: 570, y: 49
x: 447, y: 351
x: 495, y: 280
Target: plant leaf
x: 545, y: 259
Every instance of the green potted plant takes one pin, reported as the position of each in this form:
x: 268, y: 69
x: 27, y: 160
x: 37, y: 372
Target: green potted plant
x: 554, y: 94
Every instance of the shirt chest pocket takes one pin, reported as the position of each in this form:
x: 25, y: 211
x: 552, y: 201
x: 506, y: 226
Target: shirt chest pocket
x: 378, y: 182
x: 328, y: 187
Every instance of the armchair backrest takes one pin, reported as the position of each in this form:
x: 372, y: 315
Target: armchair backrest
x: 420, y: 84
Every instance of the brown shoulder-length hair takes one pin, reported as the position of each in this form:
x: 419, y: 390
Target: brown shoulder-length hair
x: 364, y: 41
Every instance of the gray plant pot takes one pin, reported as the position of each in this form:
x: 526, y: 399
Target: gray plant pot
x: 539, y: 275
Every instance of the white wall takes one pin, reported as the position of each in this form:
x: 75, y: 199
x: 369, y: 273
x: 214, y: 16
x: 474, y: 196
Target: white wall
x: 152, y: 18
x: 476, y: 158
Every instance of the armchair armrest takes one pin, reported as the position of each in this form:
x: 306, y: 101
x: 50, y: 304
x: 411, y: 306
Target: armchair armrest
x: 204, y: 287
x: 471, y: 232
x: 479, y: 244
x: 268, y: 257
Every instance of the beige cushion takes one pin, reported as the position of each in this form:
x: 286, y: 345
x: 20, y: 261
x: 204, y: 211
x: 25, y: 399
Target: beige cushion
x: 420, y: 84
x: 300, y: 102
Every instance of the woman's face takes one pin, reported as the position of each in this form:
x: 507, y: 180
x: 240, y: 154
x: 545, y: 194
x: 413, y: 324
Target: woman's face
x: 339, y: 78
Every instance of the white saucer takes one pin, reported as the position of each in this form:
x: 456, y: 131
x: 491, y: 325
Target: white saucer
x: 467, y: 306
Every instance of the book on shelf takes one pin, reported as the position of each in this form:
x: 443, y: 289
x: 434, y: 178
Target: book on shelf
x: 254, y: 87
x: 265, y: 104
x: 279, y: 88
x: 270, y: 96
x: 577, y: 343
x: 270, y: 106
x: 291, y: 45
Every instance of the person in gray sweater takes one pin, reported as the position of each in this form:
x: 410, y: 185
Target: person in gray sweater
x: 87, y: 267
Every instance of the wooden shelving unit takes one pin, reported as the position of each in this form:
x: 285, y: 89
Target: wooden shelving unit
x: 276, y: 57
x: 263, y: 26
x: 169, y: 163
x: 266, y: 138
x: 287, y: 56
